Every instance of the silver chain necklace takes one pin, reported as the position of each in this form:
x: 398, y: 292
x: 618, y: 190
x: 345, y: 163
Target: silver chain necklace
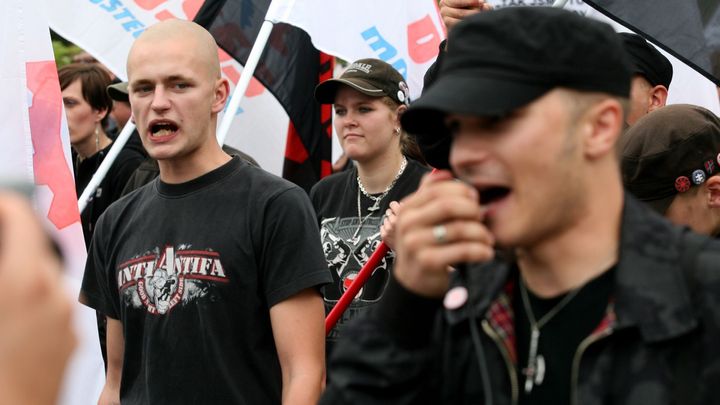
x: 377, y: 199
x: 535, y: 370
x: 376, y: 206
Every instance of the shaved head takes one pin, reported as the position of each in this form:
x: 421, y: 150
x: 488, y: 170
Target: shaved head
x: 176, y: 92
x: 194, y: 38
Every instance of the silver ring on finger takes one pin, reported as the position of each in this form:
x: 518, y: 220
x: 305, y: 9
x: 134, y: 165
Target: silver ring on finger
x: 440, y: 233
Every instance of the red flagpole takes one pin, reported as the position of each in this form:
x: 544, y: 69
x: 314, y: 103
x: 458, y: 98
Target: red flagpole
x: 356, y: 285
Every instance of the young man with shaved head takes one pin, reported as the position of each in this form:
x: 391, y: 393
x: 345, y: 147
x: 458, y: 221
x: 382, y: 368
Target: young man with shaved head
x: 571, y: 291
x: 208, y: 275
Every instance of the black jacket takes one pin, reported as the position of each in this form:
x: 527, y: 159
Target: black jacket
x: 110, y: 188
x: 658, y: 344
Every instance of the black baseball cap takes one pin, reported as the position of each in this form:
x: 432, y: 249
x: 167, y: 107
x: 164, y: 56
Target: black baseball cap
x: 669, y: 151
x: 647, y: 61
x: 118, y: 91
x: 498, y: 61
x: 372, y: 77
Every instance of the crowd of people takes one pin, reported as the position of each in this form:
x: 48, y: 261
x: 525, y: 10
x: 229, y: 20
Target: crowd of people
x: 550, y: 224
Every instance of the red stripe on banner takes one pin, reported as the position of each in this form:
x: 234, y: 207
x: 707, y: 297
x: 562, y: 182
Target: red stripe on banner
x: 49, y: 162
x: 294, y: 148
x: 327, y: 66
x: 326, y: 168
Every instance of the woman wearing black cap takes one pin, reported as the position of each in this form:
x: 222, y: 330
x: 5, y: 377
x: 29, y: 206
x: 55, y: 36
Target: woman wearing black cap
x: 368, y: 98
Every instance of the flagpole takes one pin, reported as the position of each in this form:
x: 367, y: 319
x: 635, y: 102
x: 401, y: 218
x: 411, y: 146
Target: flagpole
x: 560, y: 3
x: 101, y: 171
x: 271, y: 18
x: 349, y: 294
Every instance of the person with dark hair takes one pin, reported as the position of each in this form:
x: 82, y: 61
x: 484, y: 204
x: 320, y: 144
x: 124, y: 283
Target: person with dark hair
x: 566, y: 289
x: 652, y: 74
x: 368, y: 99
x: 670, y: 159
x: 87, y: 105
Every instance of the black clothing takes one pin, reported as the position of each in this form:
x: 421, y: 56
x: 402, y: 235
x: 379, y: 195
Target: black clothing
x: 657, y: 344
x: 432, y: 73
x: 348, y: 242
x: 559, y: 337
x: 192, y: 270
x: 148, y: 170
x: 110, y: 188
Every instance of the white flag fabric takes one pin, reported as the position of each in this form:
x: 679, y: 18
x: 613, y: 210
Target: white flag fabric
x: 107, y: 28
x: 404, y: 33
x: 36, y: 151
x: 687, y: 86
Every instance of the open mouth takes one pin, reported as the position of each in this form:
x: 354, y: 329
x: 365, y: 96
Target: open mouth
x: 489, y: 195
x: 162, y: 128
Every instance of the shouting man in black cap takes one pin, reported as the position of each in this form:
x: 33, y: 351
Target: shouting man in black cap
x: 670, y: 159
x: 589, y: 301
x: 652, y: 74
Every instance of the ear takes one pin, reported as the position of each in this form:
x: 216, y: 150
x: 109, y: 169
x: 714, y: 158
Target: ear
x: 713, y: 196
x: 221, y: 92
x: 658, y: 97
x: 100, y: 114
x: 602, y: 125
x: 399, y: 112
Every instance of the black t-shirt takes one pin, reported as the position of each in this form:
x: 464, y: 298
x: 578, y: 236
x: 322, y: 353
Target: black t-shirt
x: 192, y: 270
x: 110, y: 188
x: 335, y: 202
x: 559, y: 337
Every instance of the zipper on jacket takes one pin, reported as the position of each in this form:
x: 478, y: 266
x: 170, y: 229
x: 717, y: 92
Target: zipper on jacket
x: 587, y: 342
x: 508, y: 363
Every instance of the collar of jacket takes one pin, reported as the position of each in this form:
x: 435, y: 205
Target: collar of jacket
x: 650, y: 290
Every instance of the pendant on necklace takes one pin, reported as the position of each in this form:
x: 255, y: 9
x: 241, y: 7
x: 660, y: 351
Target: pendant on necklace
x: 535, y: 370
x: 375, y: 206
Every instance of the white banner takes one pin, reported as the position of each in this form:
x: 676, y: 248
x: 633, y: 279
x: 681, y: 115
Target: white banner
x: 107, y: 28
x: 36, y: 151
x: 403, y: 33
x: 687, y: 86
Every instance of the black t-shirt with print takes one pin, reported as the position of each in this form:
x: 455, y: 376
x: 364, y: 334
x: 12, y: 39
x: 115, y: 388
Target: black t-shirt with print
x: 348, y: 241
x: 191, y: 270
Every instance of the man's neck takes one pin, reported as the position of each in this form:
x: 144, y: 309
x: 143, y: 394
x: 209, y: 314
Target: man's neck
x: 578, y: 254
x: 199, y: 162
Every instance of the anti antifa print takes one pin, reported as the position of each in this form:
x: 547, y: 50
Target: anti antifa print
x: 162, y: 279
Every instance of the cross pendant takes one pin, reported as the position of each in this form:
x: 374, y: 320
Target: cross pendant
x: 535, y: 370
x: 375, y: 206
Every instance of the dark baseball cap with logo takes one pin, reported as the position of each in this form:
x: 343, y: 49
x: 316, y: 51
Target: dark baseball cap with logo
x: 669, y: 151
x: 371, y: 77
x: 499, y: 61
x: 647, y: 61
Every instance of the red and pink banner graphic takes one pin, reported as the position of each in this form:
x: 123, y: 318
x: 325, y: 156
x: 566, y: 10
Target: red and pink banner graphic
x: 36, y: 151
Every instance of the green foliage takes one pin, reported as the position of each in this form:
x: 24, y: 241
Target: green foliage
x: 64, y: 52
